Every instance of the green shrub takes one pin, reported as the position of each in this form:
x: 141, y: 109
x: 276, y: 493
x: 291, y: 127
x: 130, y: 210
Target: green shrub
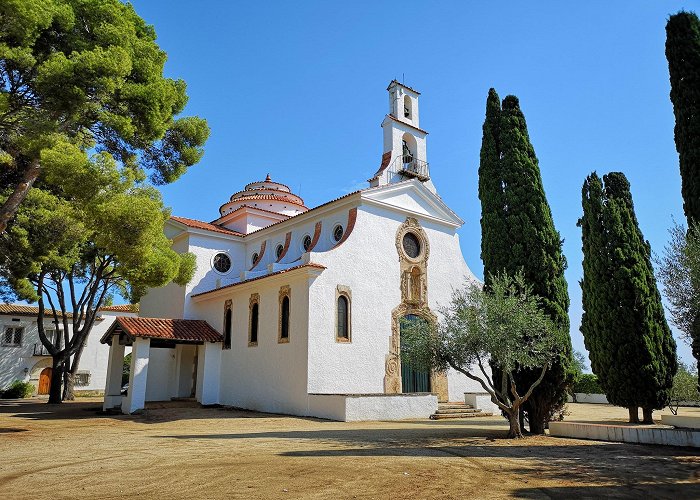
x: 587, y: 383
x: 18, y: 390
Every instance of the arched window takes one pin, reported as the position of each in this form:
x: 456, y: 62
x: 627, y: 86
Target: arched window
x: 253, y: 325
x: 407, y: 107
x: 227, y: 325
x: 284, y: 319
x: 343, y: 331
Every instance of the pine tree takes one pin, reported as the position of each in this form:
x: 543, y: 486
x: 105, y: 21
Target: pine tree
x: 683, y: 55
x: 630, y: 344
x: 518, y: 234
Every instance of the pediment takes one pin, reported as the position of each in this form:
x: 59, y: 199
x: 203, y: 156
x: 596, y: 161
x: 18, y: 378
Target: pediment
x: 413, y: 197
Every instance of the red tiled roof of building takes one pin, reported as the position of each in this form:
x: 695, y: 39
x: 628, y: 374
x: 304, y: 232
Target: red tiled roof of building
x: 129, y: 308
x: 182, y: 330
x: 198, y: 224
x: 22, y: 310
x: 310, y: 264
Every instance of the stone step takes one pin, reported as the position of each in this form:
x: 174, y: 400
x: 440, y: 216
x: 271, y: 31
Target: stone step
x: 443, y: 416
x: 455, y: 406
x: 457, y: 410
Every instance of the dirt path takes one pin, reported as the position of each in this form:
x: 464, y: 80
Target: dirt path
x: 71, y: 451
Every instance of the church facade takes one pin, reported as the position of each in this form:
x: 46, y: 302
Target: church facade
x: 296, y: 310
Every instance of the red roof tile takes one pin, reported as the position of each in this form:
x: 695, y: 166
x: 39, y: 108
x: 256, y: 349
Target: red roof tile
x: 198, y: 224
x: 22, y: 310
x: 183, y: 330
x: 129, y: 308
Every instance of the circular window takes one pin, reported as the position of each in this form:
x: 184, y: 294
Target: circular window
x: 306, y: 243
x: 411, y: 245
x: 337, y: 233
x: 254, y: 258
x: 278, y: 251
x: 222, y: 262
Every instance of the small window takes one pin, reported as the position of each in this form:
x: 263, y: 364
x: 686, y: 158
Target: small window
x: 227, y: 325
x: 82, y: 379
x: 343, y: 332
x: 306, y: 243
x: 278, y: 251
x: 253, y: 326
x: 411, y: 245
x: 338, y: 233
x: 284, y: 318
x: 222, y: 262
x: 13, y: 336
x: 254, y: 258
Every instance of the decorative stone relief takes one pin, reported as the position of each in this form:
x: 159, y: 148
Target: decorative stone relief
x: 414, y: 300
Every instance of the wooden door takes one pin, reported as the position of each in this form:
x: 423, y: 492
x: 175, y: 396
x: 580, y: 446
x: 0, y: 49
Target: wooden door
x: 45, y: 381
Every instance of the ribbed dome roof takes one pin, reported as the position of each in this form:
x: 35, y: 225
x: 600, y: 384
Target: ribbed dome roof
x: 267, y: 195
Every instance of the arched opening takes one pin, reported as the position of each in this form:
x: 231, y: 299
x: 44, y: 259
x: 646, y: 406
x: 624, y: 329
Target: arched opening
x: 407, y: 107
x: 45, y: 381
x: 413, y: 380
x: 343, y: 332
x: 227, y: 327
x: 253, y: 337
x: 409, y: 146
x: 284, y: 318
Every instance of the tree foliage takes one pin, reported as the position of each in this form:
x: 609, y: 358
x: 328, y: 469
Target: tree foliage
x: 518, y: 235
x: 685, y: 387
x: 86, y: 75
x: 505, y: 326
x: 629, y: 342
x: 683, y: 55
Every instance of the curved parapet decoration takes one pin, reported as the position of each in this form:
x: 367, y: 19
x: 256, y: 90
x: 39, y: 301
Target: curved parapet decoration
x: 260, y: 255
x: 352, y: 217
x: 317, y: 235
x: 287, y: 240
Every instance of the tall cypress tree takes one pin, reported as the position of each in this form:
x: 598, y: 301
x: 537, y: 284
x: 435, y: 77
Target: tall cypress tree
x: 683, y: 54
x: 518, y: 234
x: 625, y: 331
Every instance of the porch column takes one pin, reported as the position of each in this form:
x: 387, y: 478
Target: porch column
x: 115, y: 365
x: 136, y: 397
x: 208, y: 373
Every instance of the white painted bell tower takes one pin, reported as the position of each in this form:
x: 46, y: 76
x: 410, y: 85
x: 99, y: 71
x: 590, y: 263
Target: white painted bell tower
x: 405, y: 154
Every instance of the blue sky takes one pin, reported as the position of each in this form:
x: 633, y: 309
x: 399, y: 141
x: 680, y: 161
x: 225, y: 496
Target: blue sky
x: 297, y: 90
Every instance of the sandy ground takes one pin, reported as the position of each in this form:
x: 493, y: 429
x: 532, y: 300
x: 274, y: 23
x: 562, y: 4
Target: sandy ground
x: 72, y: 451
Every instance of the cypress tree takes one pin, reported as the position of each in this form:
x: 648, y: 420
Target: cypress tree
x: 683, y: 55
x: 630, y: 344
x: 518, y: 234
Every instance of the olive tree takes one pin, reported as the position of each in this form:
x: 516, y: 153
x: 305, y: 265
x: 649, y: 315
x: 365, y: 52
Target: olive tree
x: 505, y: 326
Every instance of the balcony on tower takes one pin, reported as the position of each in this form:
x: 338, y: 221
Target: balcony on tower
x: 411, y: 167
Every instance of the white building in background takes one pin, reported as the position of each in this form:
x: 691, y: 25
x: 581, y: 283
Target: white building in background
x: 23, y: 356
x: 297, y: 310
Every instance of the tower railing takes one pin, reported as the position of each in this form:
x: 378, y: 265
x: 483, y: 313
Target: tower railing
x: 410, y: 166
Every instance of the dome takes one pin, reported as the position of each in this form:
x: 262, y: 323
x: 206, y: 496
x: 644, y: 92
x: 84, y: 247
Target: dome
x: 266, y: 195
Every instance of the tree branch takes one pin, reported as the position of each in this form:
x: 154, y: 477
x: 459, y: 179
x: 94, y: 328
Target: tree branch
x: 9, y: 208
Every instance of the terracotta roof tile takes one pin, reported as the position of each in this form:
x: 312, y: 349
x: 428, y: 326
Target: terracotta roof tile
x: 22, y: 310
x: 132, y: 308
x: 198, y: 224
x: 184, y: 330
x: 310, y: 264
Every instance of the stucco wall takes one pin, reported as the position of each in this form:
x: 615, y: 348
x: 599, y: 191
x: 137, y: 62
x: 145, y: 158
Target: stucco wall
x: 161, y: 371
x: 270, y: 376
x: 359, y: 407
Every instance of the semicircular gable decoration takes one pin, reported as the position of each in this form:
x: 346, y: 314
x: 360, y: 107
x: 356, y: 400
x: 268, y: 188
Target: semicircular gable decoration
x: 287, y: 240
x: 352, y: 217
x: 261, y: 253
x: 317, y: 235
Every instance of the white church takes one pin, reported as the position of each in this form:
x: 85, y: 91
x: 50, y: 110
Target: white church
x: 296, y: 310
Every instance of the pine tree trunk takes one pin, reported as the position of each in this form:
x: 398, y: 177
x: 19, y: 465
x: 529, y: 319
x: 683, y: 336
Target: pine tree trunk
x: 515, y: 431
x: 634, y: 414
x: 56, y: 380
x: 68, y: 394
x: 648, y: 415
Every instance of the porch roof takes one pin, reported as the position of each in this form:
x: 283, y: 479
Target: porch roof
x: 176, y: 331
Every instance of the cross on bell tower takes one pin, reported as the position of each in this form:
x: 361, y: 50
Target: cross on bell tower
x: 404, y: 141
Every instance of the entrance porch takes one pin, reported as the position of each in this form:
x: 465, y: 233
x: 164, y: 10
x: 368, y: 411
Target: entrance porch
x: 170, y: 358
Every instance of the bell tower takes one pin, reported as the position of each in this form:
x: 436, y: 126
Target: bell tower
x: 404, y: 141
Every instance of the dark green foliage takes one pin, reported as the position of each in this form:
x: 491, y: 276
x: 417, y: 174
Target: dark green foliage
x: 587, y: 383
x: 629, y: 342
x: 518, y: 234
x: 683, y: 54
x: 18, y: 390
x: 126, y: 369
